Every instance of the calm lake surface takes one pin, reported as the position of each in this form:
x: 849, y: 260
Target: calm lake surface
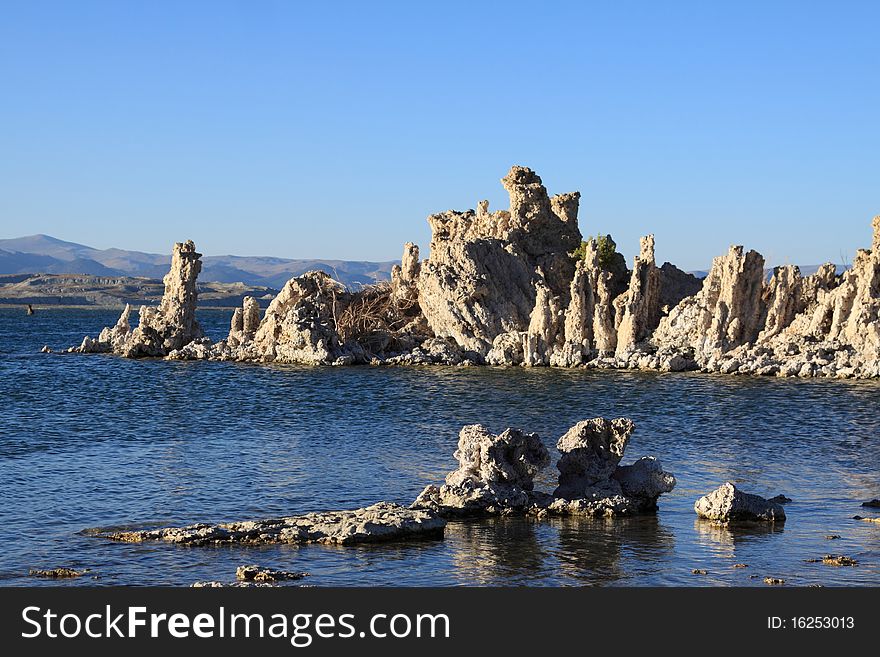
x: 98, y: 441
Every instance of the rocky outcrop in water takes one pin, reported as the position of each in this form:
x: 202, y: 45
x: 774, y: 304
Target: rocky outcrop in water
x: 255, y: 573
x: 591, y: 481
x: 111, y: 338
x: 820, y: 325
x: 590, y: 453
x: 728, y: 503
x: 496, y: 474
x: 299, y: 325
x: 380, y: 522
x: 517, y: 287
x: 173, y: 324
x: 170, y: 326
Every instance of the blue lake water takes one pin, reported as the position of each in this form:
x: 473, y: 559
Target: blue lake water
x: 99, y: 441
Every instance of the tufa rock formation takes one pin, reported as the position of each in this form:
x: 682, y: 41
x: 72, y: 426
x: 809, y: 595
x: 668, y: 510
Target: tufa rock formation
x: 245, y: 322
x: 591, y: 481
x: 515, y: 287
x: 728, y: 503
x: 481, y: 279
x: 724, y: 314
x: 590, y: 453
x: 496, y: 474
x: 641, y: 305
x: 160, y: 330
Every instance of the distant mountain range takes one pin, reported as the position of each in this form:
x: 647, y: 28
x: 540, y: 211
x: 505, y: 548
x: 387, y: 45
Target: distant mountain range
x: 42, y: 254
x: 47, y: 255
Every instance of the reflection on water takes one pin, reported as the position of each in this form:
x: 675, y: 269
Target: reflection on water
x: 725, y: 538
x: 96, y: 441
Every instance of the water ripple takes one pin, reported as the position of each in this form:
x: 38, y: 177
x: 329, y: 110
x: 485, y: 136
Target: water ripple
x: 98, y: 441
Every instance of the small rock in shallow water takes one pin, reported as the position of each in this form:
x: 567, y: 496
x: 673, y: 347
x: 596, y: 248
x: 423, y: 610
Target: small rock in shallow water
x: 780, y: 499
x: 216, y: 585
x: 839, y: 560
x: 740, y: 565
x: 773, y: 581
x: 832, y: 537
x: 57, y: 573
x: 728, y: 503
x: 866, y: 519
x: 699, y: 571
x: 256, y: 573
x: 873, y: 504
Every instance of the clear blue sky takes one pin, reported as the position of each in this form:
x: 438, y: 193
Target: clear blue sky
x: 333, y: 129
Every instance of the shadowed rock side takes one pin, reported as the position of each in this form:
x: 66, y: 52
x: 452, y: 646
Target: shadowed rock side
x: 504, y: 288
x: 496, y: 474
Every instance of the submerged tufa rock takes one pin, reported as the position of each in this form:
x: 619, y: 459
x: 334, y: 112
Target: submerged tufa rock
x: 57, y: 573
x: 254, y: 573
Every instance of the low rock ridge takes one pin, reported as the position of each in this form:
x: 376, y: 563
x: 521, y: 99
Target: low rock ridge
x: 518, y: 287
x: 380, y: 522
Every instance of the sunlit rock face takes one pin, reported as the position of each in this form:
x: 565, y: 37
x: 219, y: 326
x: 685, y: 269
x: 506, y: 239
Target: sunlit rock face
x: 166, y: 328
x: 727, y: 503
x: 724, y: 314
x: 482, y: 275
x: 821, y: 325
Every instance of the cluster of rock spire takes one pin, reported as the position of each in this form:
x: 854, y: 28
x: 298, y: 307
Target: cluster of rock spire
x: 505, y: 288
